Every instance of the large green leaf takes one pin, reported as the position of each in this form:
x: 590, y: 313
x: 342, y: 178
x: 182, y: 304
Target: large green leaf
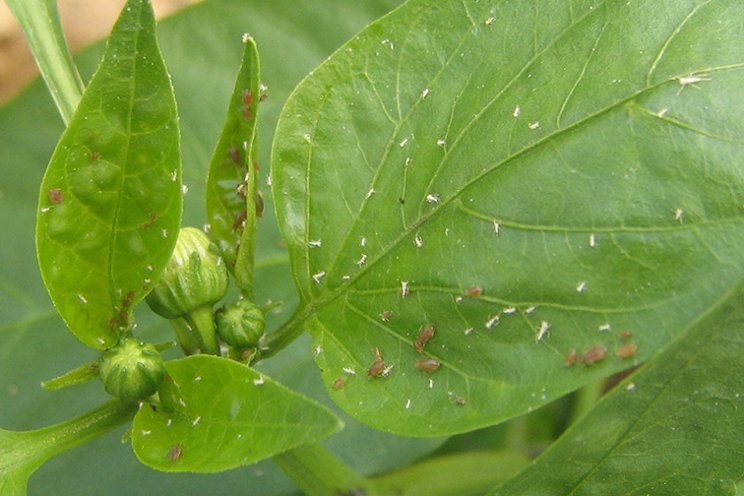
x: 529, y: 178
x: 216, y: 414
x: 110, y: 201
x: 672, y: 428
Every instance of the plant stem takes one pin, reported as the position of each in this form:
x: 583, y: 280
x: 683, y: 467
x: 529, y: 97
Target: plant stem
x: 585, y: 400
x: 35, y: 447
x: 318, y: 472
x: 275, y: 341
x: 40, y: 22
x: 202, y: 322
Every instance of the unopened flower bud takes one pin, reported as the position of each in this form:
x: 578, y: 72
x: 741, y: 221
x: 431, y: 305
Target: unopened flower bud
x: 241, y: 324
x: 132, y: 370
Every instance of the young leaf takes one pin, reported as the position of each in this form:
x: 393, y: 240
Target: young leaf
x: 232, y: 191
x: 528, y: 181
x: 672, y: 428
x: 216, y: 414
x: 110, y: 201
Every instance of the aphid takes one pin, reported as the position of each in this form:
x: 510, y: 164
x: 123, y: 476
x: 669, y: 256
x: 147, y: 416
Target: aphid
x: 127, y: 300
x: 428, y: 365
x: 627, y: 350
x: 458, y: 400
x: 259, y: 204
x: 475, y: 291
x: 542, y: 331
x: 315, y: 243
x: 594, y: 354
x: 55, y: 196
x: 533, y: 125
x: 386, y: 315
x: 234, y: 154
x: 338, y: 383
x: 492, y: 322
x: 264, y: 90
x: 240, y: 218
x: 625, y: 334
x: 404, y: 290
x: 571, y: 357
x: 247, y: 97
x: 174, y: 453
x: 95, y: 156
x: 378, y: 365
x: 318, y: 276
x: 426, y: 333
x: 581, y: 287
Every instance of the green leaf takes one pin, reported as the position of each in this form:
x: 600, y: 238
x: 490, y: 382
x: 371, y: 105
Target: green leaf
x: 216, y: 414
x: 527, y: 178
x: 110, y: 201
x: 674, y: 427
x: 232, y: 185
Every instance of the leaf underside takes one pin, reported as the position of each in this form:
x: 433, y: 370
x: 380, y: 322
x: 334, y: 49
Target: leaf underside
x: 528, y: 178
x: 216, y: 414
x: 110, y: 202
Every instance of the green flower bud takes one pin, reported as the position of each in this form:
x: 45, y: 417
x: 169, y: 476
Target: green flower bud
x: 132, y: 370
x: 241, y: 324
x: 195, y: 277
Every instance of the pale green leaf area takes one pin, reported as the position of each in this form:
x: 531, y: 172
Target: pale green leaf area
x: 203, y: 63
x: 672, y: 428
x: 529, y: 178
x: 110, y: 201
x: 216, y: 414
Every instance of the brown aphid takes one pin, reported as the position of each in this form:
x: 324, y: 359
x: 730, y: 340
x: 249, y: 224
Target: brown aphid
x: 240, y: 219
x: 55, y: 196
x: 234, y: 154
x: 386, y: 315
x: 338, y: 383
x: 428, y: 365
x: 150, y: 220
x: 594, y: 354
x: 627, y: 350
x: 378, y: 365
x: 127, y: 300
x: 95, y: 156
x: 458, y: 400
x: 259, y: 204
x: 624, y: 335
x: 475, y: 291
x: 425, y: 334
x: 247, y: 97
x: 571, y: 357
x: 174, y: 453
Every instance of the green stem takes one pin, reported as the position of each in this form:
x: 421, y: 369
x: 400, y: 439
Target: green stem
x: 202, y: 321
x: 275, y: 341
x: 33, y: 448
x: 185, y: 336
x: 318, y: 472
x: 78, y: 375
x: 40, y: 22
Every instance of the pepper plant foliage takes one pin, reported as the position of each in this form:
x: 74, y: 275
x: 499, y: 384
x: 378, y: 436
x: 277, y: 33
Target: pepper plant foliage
x: 484, y: 206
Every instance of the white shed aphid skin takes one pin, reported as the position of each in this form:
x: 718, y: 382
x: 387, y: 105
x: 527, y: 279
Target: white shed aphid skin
x: 318, y: 350
x: 198, y: 378
x: 592, y: 241
x: 315, y: 243
x: 431, y: 383
x: 605, y: 327
x: 184, y: 189
x: 45, y: 209
x: 534, y: 125
x: 386, y: 370
x: 181, y: 402
x: 258, y: 382
x: 408, y: 404
x: 318, y: 276
x: 679, y: 215
x: 516, y: 112
x: 169, y: 423
x: 468, y: 331
x: 425, y: 93
x: 542, y: 331
x: 174, y: 175
x: 207, y: 227
x: 496, y: 227
x: 691, y: 80
x: 418, y: 241
x: 490, y: 21
x: 403, y: 143
x: 441, y: 142
x: 581, y: 287
x: 404, y: 290
x: 362, y: 260
x: 196, y: 421
x: 308, y: 139
x: 348, y: 371
x: 509, y: 310
x: 100, y: 341
x: 369, y: 193
x: 433, y: 198
x: 408, y: 161
x: 662, y: 112
x: 530, y: 309
x: 493, y: 321
x: 268, y: 180
x: 82, y: 299
x: 164, y: 233
x: 363, y: 241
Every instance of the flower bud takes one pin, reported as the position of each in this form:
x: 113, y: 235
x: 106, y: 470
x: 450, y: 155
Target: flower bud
x: 195, y: 277
x: 132, y: 370
x: 241, y: 324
